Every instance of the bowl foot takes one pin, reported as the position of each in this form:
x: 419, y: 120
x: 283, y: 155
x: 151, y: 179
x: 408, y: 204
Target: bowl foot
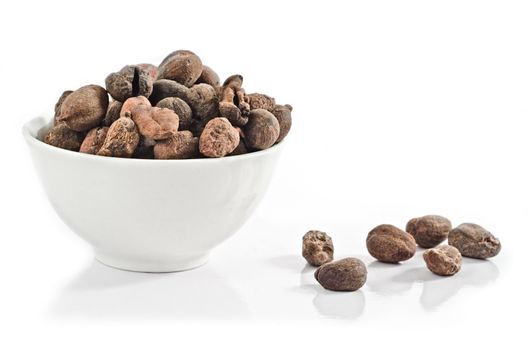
x: 141, y: 264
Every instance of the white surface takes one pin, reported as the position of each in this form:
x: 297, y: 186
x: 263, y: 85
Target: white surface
x: 149, y: 216
x: 401, y: 108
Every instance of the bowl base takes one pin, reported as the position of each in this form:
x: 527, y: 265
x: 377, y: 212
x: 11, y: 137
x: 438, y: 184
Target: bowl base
x: 135, y: 264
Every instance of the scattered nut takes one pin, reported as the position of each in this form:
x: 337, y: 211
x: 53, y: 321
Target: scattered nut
x: 63, y: 137
x: 473, y: 241
x: 121, y: 140
x: 130, y: 81
x: 181, y: 108
x: 218, y: 138
x: 283, y: 115
x: 261, y: 130
x: 347, y: 274
x: 317, y: 248
x: 84, y: 108
x: 208, y: 76
x: 113, y: 112
x: 261, y: 101
x: 183, y: 145
x: 182, y: 66
x: 444, y: 260
x: 429, y: 231
x: 389, y: 244
x: 94, y: 140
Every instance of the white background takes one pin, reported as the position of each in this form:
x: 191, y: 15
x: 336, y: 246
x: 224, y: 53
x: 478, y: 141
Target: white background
x: 401, y: 109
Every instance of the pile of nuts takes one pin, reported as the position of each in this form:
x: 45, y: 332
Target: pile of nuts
x: 177, y: 110
x: 389, y: 244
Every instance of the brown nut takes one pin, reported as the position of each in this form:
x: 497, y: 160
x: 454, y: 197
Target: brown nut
x: 167, y: 88
x: 94, y: 140
x: 151, y: 69
x: 241, y: 148
x: 112, y: 113
x: 155, y: 123
x: 203, y: 100
x: 218, y: 138
x: 181, y: 108
x: 183, y: 145
x: 429, y: 231
x: 283, y: 115
x: 59, y: 104
x: 182, y: 66
x: 317, y: 248
x: 63, y: 137
x: 388, y: 243
x: 131, y: 103
x: 84, y: 108
x: 261, y: 130
x: 347, y: 274
x: 121, y: 140
x: 145, y: 148
x: 208, y: 76
x: 444, y: 260
x: 130, y: 81
x: 474, y: 241
x: 229, y: 110
x: 261, y: 101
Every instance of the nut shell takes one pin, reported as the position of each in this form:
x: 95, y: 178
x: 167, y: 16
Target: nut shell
x: 181, y: 108
x: 121, y: 140
x: 261, y: 101
x: 218, y: 138
x: 389, y: 244
x: 84, y: 108
x: 474, y: 241
x: 208, y: 76
x: 94, y: 140
x: 317, y: 248
x: 155, y: 123
x: 347, y: 274
x: 261, y: 130
x: 429, y: 231
x: 63, y: 137
x: 182, y: 66
x: 283, y: 115
x: 444, y: 260
x: 183, y: 145
x: 130, y: 81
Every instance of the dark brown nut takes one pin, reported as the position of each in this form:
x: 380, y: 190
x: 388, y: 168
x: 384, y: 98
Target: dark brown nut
x: 131, y: 103
x: 444, y: 260
x: 218, y: 138
x: 151, y: 69
x: 145, y: 148
x: 155, y: 123
x: 203, y: 100
x: 317, y: 248
x: 182, y: 66
x: 474, y: 241
x: 181, y: 108
x: 389, y: 244
x: 112, y: 113
x: 121, y: 140
x: 130, y: 81
x: 84, y: 108
x: 283, y: 115
x: 347, y: 274
x: 229, y: 110
x: 63, y: 137
x: 59, y: 104
x: 208, y: 76
x: 261, y: 130
x: 94, y: 140
x: 429, y: 231
x: 167, y: 88
x: 183, y: 145
x: 261, y: 101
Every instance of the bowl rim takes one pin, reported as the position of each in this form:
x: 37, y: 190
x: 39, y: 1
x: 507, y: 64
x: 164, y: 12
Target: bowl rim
x: 33, y: 127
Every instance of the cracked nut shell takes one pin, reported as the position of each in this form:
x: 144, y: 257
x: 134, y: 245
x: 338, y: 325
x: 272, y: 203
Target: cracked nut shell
x: 444, y: 260
x: 389, y: 244
x: 218, y: 138
x: 429, y: 231
x: 347, y: 274
x: 130, y: 81
x: 317, y: 248
x: 474, y: 241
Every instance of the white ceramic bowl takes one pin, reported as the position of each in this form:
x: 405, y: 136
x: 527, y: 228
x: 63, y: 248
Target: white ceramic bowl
x: 150, y: 215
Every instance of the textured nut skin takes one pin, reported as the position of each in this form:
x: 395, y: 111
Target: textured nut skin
x: 444, y: 260
x: 130, y: 81
x: 183, y: 145
x: 94, y: 140
x: 347, y: 274
x: 261, y: 101
x: 59, y: 104
x: 208, y: 76
x: 164, y: 88
x: 84, y: 108
x: 181, y: 108
x: 474, y: 241
x: 112, y: 113
x: 389, y: 244
x: 203, y: 100
x: 155, y: 123
x: 121, y: 140
x: 429, y: 231
x: 218, y: 138
x: 131, y: 103
x: 229, y: 110
x: 63, y: 137
x: 317, y: 248
x: 151, y: 69
x: 182, y: 66
x: 283, y: 115
x: 261, y: 130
